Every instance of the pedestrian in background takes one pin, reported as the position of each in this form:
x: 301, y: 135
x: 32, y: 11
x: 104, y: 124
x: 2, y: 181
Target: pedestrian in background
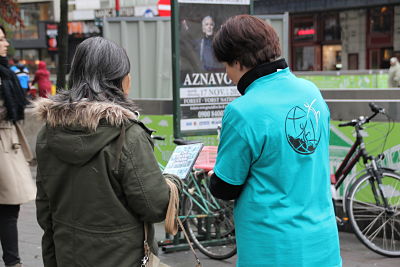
x: 98, y: 180
x: 273, y: 156
x: 394, y: 73
x: 16, y: 183
x: 22, y: 73
x: 42, y: 78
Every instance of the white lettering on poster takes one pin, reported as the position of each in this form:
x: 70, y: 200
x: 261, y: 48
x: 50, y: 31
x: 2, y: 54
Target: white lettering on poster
x: 200, y: 124
x: 197, y: 79
x: 191, y: 92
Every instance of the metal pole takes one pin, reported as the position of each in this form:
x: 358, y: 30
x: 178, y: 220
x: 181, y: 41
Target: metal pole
x: 117, y: 7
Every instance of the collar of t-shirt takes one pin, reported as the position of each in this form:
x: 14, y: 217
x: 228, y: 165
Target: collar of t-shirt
x: 260, y: 71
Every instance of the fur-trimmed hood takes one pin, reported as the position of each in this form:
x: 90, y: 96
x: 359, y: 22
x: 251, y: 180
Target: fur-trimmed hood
x: 83, y: 114
x: 76, y: 132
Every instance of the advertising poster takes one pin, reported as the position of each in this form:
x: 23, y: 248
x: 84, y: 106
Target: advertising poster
x: 51, y: 36
x: 204, y: 87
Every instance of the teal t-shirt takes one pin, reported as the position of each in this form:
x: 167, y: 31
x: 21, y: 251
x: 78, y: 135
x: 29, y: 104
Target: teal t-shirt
x: 275, y: 142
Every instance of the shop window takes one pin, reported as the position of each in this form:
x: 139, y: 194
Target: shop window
x: 374, y: 57
x: 331, y: 57
x: 31, y: 14
x: 352, y: 61
x: 386, y: 54
x: 28, y: 57
x: 304, y: 58
x: 304, y: 29
x: 331, y: 27
x: 381, y: 19
x: 379, y: 58
x: 31, y: 58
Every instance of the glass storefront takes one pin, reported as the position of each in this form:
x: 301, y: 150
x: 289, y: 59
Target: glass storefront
x: 331, y: 57
x: 379, y: 58
x: 31, y: 14
x: 318, y: 42
x: 381, y: 19
x: 31, y: 58
x: 380, y: 37
x: 305, y: 57
x: 28, y: 57
x: 331, y: 28
x: 304, y: 30
x: 304, y: 35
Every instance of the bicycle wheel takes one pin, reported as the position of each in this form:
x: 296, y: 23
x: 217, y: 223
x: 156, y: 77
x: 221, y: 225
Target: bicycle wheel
x: 375, y: 226
x: 209, y: 222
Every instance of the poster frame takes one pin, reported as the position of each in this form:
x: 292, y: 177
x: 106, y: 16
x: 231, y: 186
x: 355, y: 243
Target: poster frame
x: 176, y: 77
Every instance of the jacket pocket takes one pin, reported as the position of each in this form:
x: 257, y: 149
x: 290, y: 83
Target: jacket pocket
x: 122, y: 248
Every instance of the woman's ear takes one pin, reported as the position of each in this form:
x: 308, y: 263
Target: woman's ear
x: 126, y: 84
x: 239, y: 66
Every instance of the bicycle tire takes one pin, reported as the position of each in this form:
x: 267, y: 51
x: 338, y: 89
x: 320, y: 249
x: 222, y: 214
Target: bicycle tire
x: 197, y: 226
x: 375, y: 227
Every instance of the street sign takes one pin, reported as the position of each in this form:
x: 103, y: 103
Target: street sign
x: 164, y: 8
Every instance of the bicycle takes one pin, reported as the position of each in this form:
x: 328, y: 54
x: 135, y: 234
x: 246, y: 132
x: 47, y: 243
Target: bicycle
x: 372, y: 202
x: 209, y: 221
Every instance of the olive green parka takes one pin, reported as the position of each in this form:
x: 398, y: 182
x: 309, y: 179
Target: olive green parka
x: 98, y: 182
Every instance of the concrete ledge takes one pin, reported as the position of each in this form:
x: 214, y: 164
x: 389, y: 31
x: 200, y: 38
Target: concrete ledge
x: 344, y: 105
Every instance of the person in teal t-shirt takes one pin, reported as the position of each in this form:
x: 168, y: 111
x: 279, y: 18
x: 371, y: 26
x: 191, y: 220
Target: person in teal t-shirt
x: 273, y: 157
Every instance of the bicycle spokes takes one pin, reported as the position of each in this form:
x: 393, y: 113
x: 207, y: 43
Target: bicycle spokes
x: 209, y: 221
x: 374, y: 212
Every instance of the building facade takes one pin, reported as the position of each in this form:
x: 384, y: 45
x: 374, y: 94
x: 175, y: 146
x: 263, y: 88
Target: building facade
x: 37, y: 39
x: 30, y: 40
x: 339, y: 35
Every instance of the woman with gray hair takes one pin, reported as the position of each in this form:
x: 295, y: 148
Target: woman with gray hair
x: 98, y: 181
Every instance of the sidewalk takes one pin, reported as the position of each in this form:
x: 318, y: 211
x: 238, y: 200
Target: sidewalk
x: 354, y: 254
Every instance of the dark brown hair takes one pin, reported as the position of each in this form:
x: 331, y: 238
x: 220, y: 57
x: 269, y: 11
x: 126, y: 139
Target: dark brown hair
x: 248, y: 40
x: 4, y: 31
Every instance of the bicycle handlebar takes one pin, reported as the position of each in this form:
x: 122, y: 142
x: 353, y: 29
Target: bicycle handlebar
x: 156, y: 137
x: 375, y: 108
x: 363, y: 120
x: 350, y: 123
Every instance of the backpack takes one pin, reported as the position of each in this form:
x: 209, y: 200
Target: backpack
x: 22, y: 73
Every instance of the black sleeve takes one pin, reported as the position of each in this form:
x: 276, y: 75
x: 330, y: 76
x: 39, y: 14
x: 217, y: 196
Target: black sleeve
x: 222, y: 190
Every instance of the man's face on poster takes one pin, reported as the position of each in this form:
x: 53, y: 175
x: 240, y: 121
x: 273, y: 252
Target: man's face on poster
x: 208, y: 26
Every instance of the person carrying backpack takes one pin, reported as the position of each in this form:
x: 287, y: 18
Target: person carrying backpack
x: 22, y: 73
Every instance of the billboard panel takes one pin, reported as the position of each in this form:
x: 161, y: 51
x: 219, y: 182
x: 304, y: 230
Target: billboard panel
x: 202, y: 88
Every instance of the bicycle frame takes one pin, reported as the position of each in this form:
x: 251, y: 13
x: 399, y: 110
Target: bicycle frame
x: 367, y: 201
x: 348, y: 163
x: 205, y: 214
x: 356, y: 152
x: 204, y: 204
